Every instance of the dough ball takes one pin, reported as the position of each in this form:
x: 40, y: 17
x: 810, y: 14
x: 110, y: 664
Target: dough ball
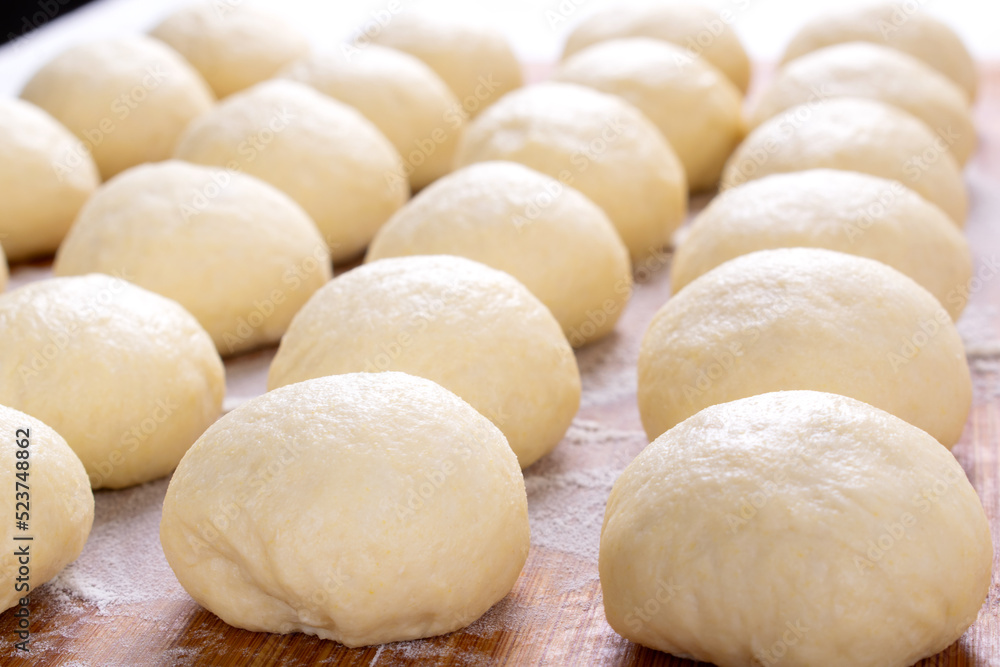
x: 475, y: 60
x: 696, y: 107
x: 798, y: 528
x: 46, y: 176
x: 597, y: 143
x: 474, y: 330
x: 411, y: 504
x: 232, y: 46
x: 856, y: 135
x: 860, y: 69
x: 52, y: 487
x: 238, y: 254
x: 4, y: 271
x: 127, y: 99
x: 805, y: 318
x: 895, y: 25
x: 550, y: 237
x: 838, y: 210
x: 700, y: 31
x: 321, y: 152
x: 128, y: 377
x: 402, y: 96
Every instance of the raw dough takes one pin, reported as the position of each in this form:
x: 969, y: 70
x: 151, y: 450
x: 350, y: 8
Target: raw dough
x: 128, y: 377
x: 237, y: 253
x: 696, y: 107
x: 402, y: 96
x: 547, y: 235
x: 4, y: 271
x: 598, y: 143
x: 857, y: 135
x: 46, y: 177
x: 838, y: 210
x: 60, y: 505
x: 474, y: 330
x: 795, y: 528
x: 805, y: 318
x: 127, y: 99
x: 364, y: 508
x: 233, y: 46
x: 321, y: 152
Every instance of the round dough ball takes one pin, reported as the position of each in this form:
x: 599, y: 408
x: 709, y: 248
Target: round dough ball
x: 128, y: 99
x: 700, y: 31
x: 128, y: 377
x: 475, y: 60
x: 402, y: 96
x: 796, y: 527
x: 46, y: 176
x: 838, y: 210
x: 233, y: 46
x: 805, y: 318
x: 895, y: 25
x: 57, y: 493
x: 597, y: 143
x: 321, y: 152
x: 238, y: 254
x: 550, y: 237
x: 860, y: 69
x: 698, y: 109
x: 856, y: 135
x: 411, y: 504
x: 474, y: 330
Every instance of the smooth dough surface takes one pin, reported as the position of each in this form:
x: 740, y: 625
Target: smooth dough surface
x: 401, y: 95
x: 805, y: 318
x: 854, y: 134
x: 237, y: 253
x: 890, y: 24
x: 323, y: 153
x: 838, y: 210
x: 799, y: 528
x: 474, y: 330
x: 128, y: 99
x: 699, y: 30
x: 46, y: 177
x: 550, y: 237
x: 129, y: 378
x: 411, y: 504
x: 60, y: 503
x: 597, y: 143
x: 862, y: 69
x: 696, y: 107
x: 232, y: 46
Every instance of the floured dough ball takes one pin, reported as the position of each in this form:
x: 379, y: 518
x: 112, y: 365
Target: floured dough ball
x: 47, y: 484
x: 237, y: 253
x: 696, y: 107
x: 700, y: 31
x: 597, y: 143
x: 128, y: 377
x: 838, y: 210
x: 474, y: 330
x: 475, y: 60
x: 321, y: 152
x: 233, y: 46
x: 799, y: 528
x: 805, y: 318
x: 402, y: 96
x: 855, y: 134
x: 898, y: 25
x: 128, y: 99
x: 860, y: 69
x: 557, y: 242
x: 411, y: 504
x: 46, y: 175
